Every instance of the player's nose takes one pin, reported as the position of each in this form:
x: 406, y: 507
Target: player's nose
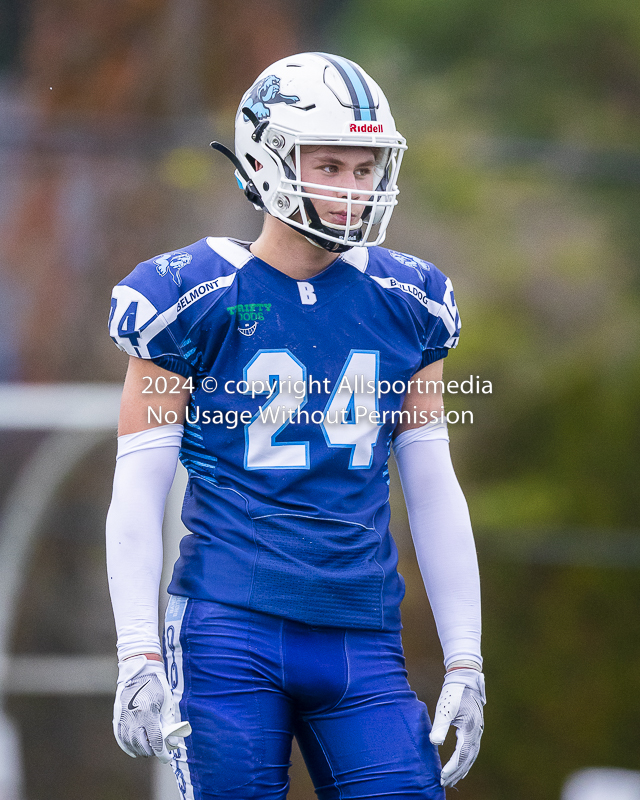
x: 349, y: 186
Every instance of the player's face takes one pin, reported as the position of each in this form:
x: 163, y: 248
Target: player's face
x: 345, y: 168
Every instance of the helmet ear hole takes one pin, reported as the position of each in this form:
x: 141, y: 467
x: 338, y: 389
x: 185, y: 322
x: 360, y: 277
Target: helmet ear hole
x: 255, y: 165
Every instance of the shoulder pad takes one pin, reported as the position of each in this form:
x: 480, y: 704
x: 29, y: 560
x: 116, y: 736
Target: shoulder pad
x: 164, y: 296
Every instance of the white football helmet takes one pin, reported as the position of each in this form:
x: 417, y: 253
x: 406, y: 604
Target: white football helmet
x: 316, y: 99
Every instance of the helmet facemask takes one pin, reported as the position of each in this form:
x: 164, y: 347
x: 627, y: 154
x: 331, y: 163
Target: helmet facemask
x: 367, y: 211
x: 291, y: 199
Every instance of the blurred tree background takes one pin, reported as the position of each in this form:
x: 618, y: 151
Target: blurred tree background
x: 521, y: 182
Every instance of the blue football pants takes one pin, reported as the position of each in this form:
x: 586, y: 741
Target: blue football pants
x: 248, y: 682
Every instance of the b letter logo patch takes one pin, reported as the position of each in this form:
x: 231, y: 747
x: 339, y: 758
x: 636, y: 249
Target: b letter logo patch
x: 307, y: 293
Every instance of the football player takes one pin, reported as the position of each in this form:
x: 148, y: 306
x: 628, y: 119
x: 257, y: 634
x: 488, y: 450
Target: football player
x: 281, y: 373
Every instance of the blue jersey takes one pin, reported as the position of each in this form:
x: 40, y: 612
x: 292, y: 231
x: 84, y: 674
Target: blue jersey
x: 298, y: 386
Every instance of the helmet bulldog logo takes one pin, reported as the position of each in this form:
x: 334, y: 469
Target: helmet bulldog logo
x: 265, y: 93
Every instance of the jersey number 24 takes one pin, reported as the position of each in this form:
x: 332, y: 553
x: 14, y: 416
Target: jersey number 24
x: 348, y: 419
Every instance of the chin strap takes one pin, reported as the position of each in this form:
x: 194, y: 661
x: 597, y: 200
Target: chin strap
x: 316, y: 223
x: 259, y: 127
x: 250, y: 190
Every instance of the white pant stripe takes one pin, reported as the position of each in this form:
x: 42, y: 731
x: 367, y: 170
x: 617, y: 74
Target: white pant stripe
x: 173, y: 625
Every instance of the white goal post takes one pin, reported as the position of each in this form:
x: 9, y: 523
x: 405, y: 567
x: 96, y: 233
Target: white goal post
x: 75, y: 417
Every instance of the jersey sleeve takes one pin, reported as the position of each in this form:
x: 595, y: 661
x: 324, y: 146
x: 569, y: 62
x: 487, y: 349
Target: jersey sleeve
x: 442, y: 319
x: 143, y: 321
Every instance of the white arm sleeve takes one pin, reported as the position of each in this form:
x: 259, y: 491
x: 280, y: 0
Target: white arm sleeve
x: 442, y: 537
x: 145, y: 468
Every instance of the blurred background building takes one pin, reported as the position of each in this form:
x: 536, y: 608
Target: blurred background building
x: 522, y: 182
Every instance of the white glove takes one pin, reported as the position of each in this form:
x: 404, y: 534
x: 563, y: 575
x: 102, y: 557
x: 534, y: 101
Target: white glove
x: 143, y: 714
x: 460, y: 704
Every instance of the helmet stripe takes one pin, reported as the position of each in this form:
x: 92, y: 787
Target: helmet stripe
x: 363, y: 105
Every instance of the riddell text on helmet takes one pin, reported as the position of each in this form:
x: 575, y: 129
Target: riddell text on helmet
x: 365, y: 128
